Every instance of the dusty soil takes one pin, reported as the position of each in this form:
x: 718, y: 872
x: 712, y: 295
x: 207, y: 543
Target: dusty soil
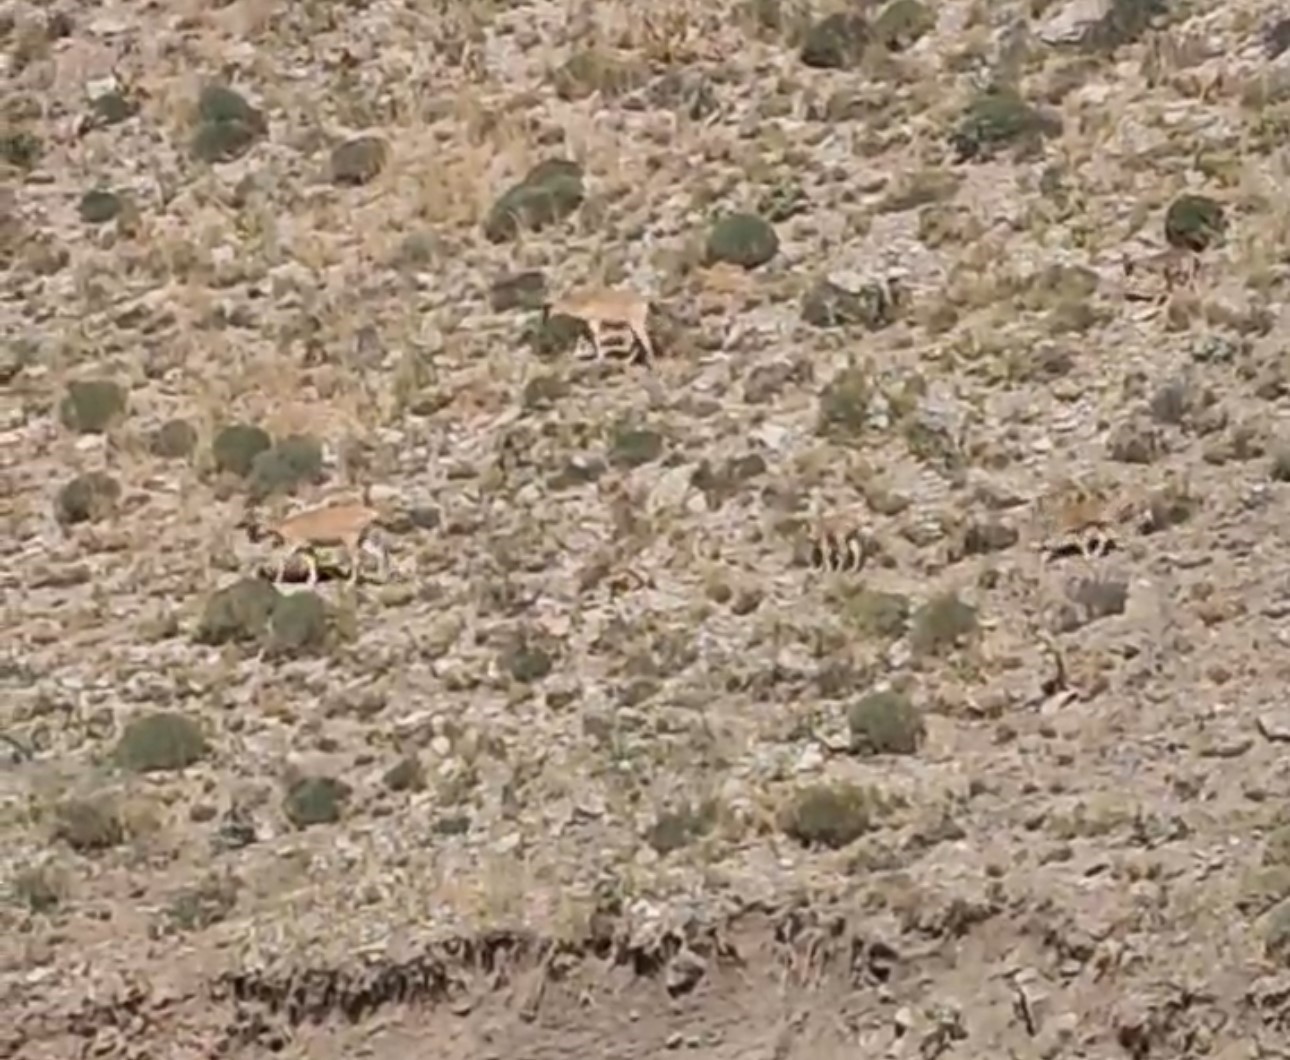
x: 608, y: 766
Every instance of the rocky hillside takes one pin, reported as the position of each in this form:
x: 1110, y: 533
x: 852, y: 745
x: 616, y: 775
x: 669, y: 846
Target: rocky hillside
x: 891, y: 667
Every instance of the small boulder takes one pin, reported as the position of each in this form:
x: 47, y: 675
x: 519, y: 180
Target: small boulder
x: 523, y: 290
x: 830, y: 305
x: 594, y: 70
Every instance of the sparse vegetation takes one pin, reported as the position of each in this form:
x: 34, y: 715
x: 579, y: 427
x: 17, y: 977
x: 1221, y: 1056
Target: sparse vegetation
x: 941, y: 624
x: 92, y: 405
x: 298, y: 624
x: 998, y: 119
x: 742, y: 239
x: 316, y: 800
x: 227, y: 125
x: 761, y: 668
x: 550, y: 192
x: 885, y: 723
x: 837, y: 41
x: 174, y: 440
x: 286, y: 465
x: 236, y: 447
x: 87, y: 498
x: 89, y: 826
x: 238, y: 612
x: 359, y: 161
x: 160, y: 742
x: 1194, y: 222
x: 831, y: 815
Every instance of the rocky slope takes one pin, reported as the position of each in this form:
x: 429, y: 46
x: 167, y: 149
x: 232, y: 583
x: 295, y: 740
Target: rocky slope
x: 996, y: 293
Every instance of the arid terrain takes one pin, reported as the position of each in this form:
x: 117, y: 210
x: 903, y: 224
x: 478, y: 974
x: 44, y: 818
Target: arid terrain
x: 894, y: 666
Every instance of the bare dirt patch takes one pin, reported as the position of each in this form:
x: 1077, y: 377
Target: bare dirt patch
x: 893, y: 666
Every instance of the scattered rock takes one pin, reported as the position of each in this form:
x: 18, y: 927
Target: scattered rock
x: 526, y: 662
x: 543, y: 391
x: 675, y: 829
x: 983, y: 537
x: 783, y: 200
x: 1073, y: 22
x: 1096, y: 598
x: 593, y: 70
x: 829, y: 305
x: 1123, y: 22
x: 1276, y: 38
x: 1135, y: 441
x: 524, y: 290
x: 407, y: 774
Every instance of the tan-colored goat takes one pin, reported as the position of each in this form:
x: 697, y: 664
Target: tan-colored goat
x: 346, y: 525
x: 598, y: 306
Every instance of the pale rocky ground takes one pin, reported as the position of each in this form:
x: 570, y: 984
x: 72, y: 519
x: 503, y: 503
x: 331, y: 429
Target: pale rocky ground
x: 573, y: 725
